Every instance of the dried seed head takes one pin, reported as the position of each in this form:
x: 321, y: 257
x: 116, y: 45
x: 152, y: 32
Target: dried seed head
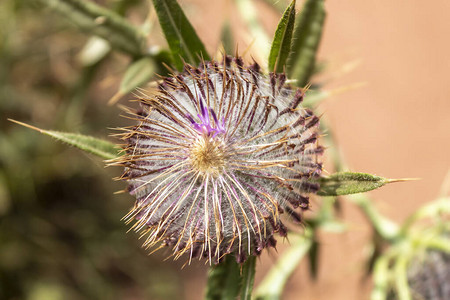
x: 219, y: 153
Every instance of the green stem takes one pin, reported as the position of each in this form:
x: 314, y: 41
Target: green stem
x: 248, y: 278
x: 387, y: 229
x: 401, y: 278
x: 435, y: 208
x: 102, y: 22
x: 272, y: 286
x: 380, y: 279
x: 228, y: 279
x: 224, y: 280
x: 433, y: 242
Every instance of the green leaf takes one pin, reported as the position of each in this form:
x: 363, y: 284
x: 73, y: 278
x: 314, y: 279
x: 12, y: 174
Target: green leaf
x: 102, y: 22
x: 281, y: 45
x: 227, y: 38
x: 180, y: 35
x: 306, y: 40
x: 101, y: 148
x: 346, y: 183
x: 224, y: 280
x: 138, y: 73
x: 273, y: 284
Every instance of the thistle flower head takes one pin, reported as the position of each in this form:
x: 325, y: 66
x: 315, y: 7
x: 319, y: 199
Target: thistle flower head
x: 220, y: 152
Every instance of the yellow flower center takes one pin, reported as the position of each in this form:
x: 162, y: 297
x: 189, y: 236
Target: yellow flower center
x: 208, y: 155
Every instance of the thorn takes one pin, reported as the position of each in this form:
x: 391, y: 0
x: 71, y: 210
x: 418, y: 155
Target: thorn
x: 115, y: 98
x: 27, y: 125
x: 347, y: 88
x: 402, y: 180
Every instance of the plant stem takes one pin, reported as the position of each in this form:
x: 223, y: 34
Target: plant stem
x: 381, y: 279
x: 224, y: 280
x: 401, y: 278
x: 228, y: 279
x: 248, y: 278
x: 387, y: 229
x: 274, y: 282
x: 102, y: 22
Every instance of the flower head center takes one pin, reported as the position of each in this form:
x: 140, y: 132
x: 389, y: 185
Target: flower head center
x: 208, y: 155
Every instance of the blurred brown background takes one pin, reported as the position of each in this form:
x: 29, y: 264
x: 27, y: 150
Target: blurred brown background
x: 397, y: 125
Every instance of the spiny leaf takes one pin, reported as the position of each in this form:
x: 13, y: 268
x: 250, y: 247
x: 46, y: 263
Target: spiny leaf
x: 180, y: 35
x: 101, y: 148
x: 307, y: 35
x: 102, y: 22
x: 281, y: 44
x: 346, y: 183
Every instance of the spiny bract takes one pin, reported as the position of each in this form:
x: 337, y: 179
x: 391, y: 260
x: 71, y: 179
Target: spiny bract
x: 219, y: 153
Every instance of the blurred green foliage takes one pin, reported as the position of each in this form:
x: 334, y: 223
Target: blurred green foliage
x: 60, y: 231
